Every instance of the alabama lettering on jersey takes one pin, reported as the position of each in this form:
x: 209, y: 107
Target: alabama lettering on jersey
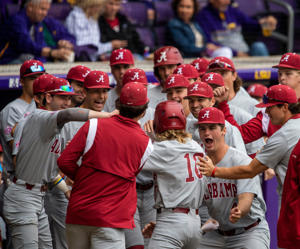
x: 276, y: 153
x: 221, y: 195
x: 41, y: 138
x: 178, y: 181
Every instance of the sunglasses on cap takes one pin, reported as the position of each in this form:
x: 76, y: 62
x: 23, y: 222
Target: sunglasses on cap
x: 65, y: 88
x: 220, y: 65
x: 36, y: 68
x: 267, y: 100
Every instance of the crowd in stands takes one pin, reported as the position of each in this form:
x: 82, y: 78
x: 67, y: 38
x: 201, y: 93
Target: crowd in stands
x: 93, y: 28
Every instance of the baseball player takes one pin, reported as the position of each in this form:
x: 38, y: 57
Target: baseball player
x: 96, y: 87
x: 257, y: 91
x: 283, y: 109
x: 15, y: 110
x: 288, y: 229
x: 237, y: 205
x: 23, y: 200
x: 238, y: 96
x: 120, y: 60
x: 145, y: 213
x: 188, y: 71
x: 76, y: 76
x: 215, y: 80
x: 260, y: 125
x: 103, y: 200
x: 166, y: 59
x: 200, y: 95
x: 201, y: 65
x: 179, y: 188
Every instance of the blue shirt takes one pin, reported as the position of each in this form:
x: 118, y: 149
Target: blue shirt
x: 15, y: 37
x: 225, y: 28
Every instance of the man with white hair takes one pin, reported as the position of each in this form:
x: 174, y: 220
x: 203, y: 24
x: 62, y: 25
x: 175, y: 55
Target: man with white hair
x: 31, y: 34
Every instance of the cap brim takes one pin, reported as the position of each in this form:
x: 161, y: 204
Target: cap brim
x: 121, y: 62
x: 197, y: 95
x: 209, y: 122
x: 285, y: 66
x: 262, y: 105
x: 63, y: 93
x: 34, y: 73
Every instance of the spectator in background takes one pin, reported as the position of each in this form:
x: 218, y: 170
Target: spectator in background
x: 223, y: 24
x: 82, y: 23
x: 188, y: 36
x: 114, y: 25
x: 31, y: 34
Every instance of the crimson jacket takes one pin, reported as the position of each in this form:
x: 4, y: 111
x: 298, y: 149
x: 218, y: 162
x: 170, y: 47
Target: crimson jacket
x: 288, y: 227
x: 113, y: 151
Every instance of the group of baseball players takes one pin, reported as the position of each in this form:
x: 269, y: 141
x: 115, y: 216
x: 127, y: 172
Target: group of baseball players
x: 168, y: 165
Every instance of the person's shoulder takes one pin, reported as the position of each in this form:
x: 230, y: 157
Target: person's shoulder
x: 175, y: 22
x: 238, y: 157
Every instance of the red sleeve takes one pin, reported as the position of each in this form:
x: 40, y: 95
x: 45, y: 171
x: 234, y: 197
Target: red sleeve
x: 67, y: 162
x: 250, y: 131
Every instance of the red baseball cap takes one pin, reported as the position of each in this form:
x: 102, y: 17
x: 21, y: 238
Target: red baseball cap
x: 221, y: 62
x: 257, y: 90
x: 31, y: 67
x: 176, y: 80
x: 211, y: 115
x: 278, y: 94
x: 200, y: 89
x: 289, y: 60
x: 96, y: 79
x: 167, y: 55
x: 41, y: 83
x: 121, y: 56
x: 187, y: 70
x: 136, y: 75
x: 213, y: 78
x: 201, y: 65
x: 134, y: 94
x: 60, y: 86
x: 78, y: 73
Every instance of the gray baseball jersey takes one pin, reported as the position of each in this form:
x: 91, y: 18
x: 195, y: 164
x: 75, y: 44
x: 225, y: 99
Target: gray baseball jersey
x: 178, y: 181
x: 242, y: 117
x: 156, y: 96
x: 276, y: 153
x: 233, y: 136
x: 41, y: 138
x: 243, y: 100
x: 110, y: 104
x: 222, y: 194
x: 9, y: 116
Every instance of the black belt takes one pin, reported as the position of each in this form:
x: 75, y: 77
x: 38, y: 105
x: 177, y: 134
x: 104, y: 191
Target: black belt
x: 234, y: 231
x: 144, y: 187
x: 178, y: 210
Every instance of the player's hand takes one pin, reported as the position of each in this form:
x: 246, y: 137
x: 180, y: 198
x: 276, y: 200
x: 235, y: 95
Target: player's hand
x: 61, y: 54
x: 148, y: 126
x: 221, y: 94
x: 235, y: 215
x: 148, y: 230
x: 65, y: 44
x: 108, y: 114
x: 205, y: 165
x: 269, y: 174
x: 68, y: 194
x: 69, y: 182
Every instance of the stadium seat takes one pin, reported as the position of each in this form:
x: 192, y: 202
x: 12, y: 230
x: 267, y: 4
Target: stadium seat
x: 163, y: 11
x: 59, y: 11
x: 136, y: 12
x: 147, y: 36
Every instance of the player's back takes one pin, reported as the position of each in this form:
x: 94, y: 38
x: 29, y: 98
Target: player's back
x: 177, y: 178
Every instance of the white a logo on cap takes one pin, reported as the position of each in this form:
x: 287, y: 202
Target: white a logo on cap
x: 172, y: 80
x: 195, y: 88
x: 85, y: 74
x: 136, y: 76
x: 120, y: 56
x: 206, y: 114
x: 197, y: 66
x: 35, y: 65
x: 285, y: 58
x: 252, y: 89
x: 163, y: 56
x: 179, y: 70
x: 210, y: 77
x: 101, y: 79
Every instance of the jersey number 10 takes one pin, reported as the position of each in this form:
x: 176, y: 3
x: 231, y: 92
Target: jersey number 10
x: 189, y: 168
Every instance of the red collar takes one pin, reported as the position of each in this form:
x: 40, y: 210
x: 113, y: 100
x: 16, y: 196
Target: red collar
x: 295, y: 116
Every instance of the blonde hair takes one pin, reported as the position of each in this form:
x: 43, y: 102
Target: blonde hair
x: 180, y: 135
x: 85, y: 4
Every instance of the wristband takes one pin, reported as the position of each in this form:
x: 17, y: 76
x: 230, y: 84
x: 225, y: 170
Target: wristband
x: 213, y: 172
x: 61, y: 184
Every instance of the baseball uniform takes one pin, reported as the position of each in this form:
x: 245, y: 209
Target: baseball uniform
x: 156, y: 96
x: 276, y: 153
x: 251, y: 231
x: 9, y: 116
x: 110, y: 104
x: 232, y: 137
x: 179, y: 191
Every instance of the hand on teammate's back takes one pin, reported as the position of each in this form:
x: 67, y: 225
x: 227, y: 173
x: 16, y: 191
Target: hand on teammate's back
x: 148, y: 126
x: 148, y: 230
